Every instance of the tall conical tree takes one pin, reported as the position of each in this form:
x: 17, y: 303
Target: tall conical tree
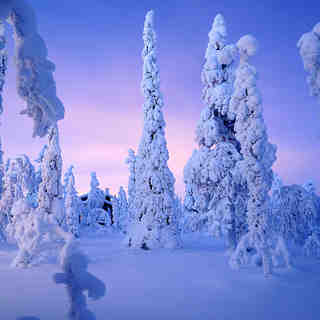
x: 50, y: 195
x: 3, y: 69
x: 155, y: 223
x: 258, y: 157
x: 72, y: 204
x: 213, y: 199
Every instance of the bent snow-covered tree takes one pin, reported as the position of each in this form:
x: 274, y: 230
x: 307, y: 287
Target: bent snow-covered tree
x: 214, y: 199
x: 258, y: 157
x: 154, y: 212
x: 309, y: 48
x: 35, y: 83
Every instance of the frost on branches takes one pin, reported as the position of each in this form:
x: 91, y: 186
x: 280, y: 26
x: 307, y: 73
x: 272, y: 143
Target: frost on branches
x: 155, y: 223
x: 35, y: 83
x: 214, y: 198
x: 309, y: 48
x: 72, y: 205
x: 258, y: 157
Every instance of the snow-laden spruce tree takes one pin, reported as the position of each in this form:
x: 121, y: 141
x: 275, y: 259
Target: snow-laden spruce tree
x: 3, y: 69
x: 38, y: 170
x: 258, y: 157
x: 1, y: 170
x: 214, y: 199
x: 154, y: 212
x: 50, y: 195
x: 309, y: 48
x: 37, y: 230
x: 19, y: 182
x: 296, y: 215
x: 72, y: 205
x: 35, y: 83
x: 131, y: 161
x: 68, y: 175
x: 94, y: 204
x: 3, y: 61
x: 120, y: 211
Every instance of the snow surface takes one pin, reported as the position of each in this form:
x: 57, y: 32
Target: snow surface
x: 190, y: 283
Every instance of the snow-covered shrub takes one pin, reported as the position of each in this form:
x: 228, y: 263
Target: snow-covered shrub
x: 258, y: 157
x: 214, y: 200
x: 35, y: 83
x: 152, y: 209
x: 309, y: 48
x: 36, y: 233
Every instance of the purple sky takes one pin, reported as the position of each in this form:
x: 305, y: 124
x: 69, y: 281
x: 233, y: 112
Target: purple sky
x: 96, y: 46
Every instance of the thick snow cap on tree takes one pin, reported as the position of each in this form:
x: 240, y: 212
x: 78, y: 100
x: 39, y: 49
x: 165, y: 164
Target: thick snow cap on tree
x: 35, y: 82
x: 153, y: 208
x: 248, y: 46
x: 309, y: 48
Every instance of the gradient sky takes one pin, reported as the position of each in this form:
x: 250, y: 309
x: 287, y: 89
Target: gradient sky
x: 96, y: 46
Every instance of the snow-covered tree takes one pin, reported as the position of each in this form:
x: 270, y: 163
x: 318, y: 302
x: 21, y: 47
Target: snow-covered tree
x: 3, y: 61
x: 50, y: 195
x: 39, y: 161
x: 258, y: 157
x: 214, y: 200
x: 35, y: 83
x: 1, y: 170
x: 19, y: 182
x: 37, y: 230
x: 296, y: 214
x: 131, y: 161
x: 155, y: 222
x: 120, y: 210
x: 72, y: 205
x: 312, y: 245
x: 96, y: 195
x: 309, y: 48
